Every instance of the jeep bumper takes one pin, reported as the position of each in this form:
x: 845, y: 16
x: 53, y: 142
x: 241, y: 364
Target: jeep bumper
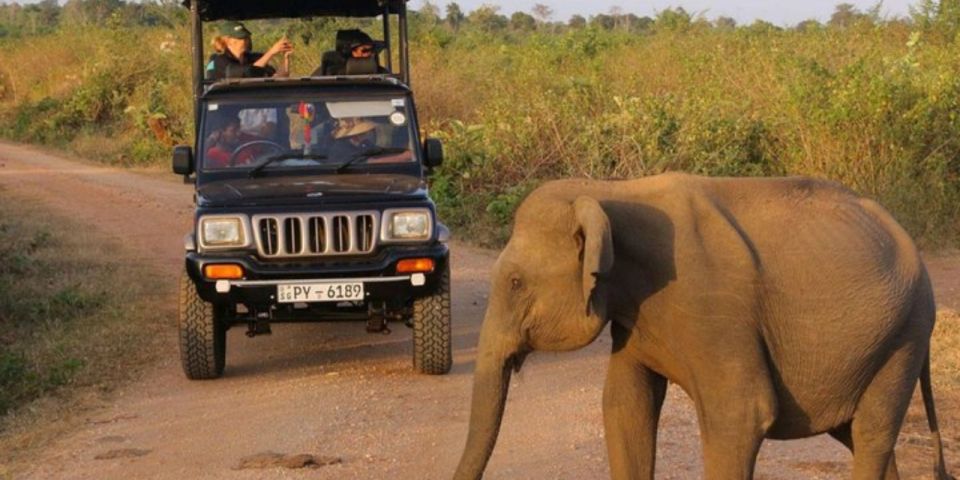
x: 259, y: 286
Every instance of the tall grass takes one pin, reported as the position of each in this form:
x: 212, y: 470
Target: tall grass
x: 872, y: 106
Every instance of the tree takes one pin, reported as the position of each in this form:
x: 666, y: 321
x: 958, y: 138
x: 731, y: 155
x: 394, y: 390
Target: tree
x: 455, y: 16
x: 642, y: 24
x: 542, y: 12
x: 577, y: 21
x: 846, y: 15
x: 725, y: 23
x: 603, y: 21
x: 674, y: 19
x: 429, y: 13
x: 941, y: 18
x: 810, y: 25
x: 523, y: 22
x: 616, y: 13
x: 90, y: 11
x: 761, y: 26
x: 488, y: 18
x: 49, y: 12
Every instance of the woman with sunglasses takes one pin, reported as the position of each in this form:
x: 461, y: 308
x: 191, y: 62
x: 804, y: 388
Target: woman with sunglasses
x: 353, y: 47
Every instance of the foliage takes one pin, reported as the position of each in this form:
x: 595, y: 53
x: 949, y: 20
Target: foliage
x: 867, y: 101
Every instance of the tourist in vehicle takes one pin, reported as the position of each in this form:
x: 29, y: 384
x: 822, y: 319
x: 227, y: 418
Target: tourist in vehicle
x: 223, y: 143
x: 233, y: 58
x: 352, y: 136
x: 357, y: 136
x: 356, y: 53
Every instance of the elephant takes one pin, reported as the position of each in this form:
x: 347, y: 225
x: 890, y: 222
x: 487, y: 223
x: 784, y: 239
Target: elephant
x: 783, y: 307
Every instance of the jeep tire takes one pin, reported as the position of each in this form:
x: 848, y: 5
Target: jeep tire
x: 432, y: 348
x: 203, y: 336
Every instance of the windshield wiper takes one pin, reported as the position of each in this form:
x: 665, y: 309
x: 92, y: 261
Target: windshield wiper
x: 371, y: 152
x: 285, y: 156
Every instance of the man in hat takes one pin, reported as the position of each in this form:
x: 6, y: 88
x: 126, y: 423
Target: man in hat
x: 352, y: 136
x: 359, y: 136
x: 233, y: 58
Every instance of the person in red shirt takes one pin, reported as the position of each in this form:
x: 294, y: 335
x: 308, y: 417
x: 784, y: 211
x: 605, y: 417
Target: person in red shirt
x: 222, y: 144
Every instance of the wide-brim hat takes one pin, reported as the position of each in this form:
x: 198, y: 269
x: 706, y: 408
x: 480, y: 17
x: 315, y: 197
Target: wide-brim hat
x: 234, y: 29
x: 351, y: 127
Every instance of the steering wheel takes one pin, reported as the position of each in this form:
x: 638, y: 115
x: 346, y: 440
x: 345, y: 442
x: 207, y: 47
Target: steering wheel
x: 249, y: 149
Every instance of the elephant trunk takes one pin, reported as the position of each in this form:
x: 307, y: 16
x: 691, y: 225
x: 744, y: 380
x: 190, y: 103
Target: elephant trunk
x: 491, y: 381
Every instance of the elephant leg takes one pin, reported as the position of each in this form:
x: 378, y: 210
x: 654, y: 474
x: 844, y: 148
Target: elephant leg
x: 736, y: 407
x: 843, y: 435
x: 880, y: 412
x: 632, y: 398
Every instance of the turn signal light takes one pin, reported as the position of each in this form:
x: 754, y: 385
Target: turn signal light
x: 415, y: 265
x: 223, y: 272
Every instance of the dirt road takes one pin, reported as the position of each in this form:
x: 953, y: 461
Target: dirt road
x: 335, y: 391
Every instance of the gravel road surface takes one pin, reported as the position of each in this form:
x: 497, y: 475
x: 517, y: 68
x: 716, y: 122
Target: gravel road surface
x: 347, y: 397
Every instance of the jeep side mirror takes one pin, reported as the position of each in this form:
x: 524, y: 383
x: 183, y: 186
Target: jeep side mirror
x: 433, y: 151
x: 182, y: 160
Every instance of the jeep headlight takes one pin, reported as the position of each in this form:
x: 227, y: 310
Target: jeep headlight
x: 408, y: 225
x: 218, y: 232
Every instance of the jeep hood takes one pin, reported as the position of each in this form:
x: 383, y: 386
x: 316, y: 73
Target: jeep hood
x: 308, y: 189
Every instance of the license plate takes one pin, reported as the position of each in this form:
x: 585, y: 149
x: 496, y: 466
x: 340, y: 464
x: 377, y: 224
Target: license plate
x: 320, y: 292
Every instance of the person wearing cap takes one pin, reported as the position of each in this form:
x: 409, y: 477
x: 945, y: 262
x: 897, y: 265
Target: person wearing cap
x: 233, y: 58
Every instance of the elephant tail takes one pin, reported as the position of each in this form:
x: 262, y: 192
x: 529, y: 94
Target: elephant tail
x: 939, y: 467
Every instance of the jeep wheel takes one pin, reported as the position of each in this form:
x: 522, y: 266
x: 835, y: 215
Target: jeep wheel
x: 203, y: 336
x: 432, y: 349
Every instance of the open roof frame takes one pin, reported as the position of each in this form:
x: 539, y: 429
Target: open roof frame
x: 214, y: 10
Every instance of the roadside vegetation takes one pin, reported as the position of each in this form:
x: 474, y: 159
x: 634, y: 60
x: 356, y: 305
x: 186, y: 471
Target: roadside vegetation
x: 868, y: 101
x: 73, y: 317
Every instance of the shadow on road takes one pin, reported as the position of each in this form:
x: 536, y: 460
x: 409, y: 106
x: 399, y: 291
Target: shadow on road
x: 294, y: 348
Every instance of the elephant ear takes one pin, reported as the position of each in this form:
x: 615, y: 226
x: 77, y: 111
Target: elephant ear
x: 596, y: 248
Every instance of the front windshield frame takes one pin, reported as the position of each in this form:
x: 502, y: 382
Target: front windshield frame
x: 412, y: 165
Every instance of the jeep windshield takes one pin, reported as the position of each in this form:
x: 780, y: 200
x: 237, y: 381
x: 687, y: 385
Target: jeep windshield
x: 289, y: 135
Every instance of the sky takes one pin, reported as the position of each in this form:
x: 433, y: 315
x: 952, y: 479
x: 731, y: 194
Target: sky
x: 780, y: 12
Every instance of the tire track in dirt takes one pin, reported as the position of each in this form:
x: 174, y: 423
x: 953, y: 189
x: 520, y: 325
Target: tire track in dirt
x: 334, y: 391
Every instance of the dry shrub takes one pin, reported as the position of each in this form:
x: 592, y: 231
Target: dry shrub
x: 874, y: 107
x: 97, y: 146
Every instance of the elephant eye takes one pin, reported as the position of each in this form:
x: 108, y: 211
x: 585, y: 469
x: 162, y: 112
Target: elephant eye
x: 515, y: 283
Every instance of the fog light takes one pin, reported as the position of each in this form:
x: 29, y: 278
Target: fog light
x: 415, y: 265
x: 223, y: 272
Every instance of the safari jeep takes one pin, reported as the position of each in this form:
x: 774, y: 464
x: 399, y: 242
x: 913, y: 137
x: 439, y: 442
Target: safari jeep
x: 311, y: 205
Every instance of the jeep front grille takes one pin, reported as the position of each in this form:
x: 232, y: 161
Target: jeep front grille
x: 316, y: 235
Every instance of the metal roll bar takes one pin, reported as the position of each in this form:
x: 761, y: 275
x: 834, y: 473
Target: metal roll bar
x: 212, y: 10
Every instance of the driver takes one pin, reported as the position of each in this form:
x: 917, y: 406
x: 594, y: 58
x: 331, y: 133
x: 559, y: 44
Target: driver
x: 222, y: 144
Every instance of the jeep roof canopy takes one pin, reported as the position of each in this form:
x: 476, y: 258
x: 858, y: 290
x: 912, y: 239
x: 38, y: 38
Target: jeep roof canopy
x: 213, y: 10
x: 250, y: 9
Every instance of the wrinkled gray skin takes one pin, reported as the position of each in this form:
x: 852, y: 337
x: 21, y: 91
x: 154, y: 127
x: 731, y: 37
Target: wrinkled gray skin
x: 784, y: 308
